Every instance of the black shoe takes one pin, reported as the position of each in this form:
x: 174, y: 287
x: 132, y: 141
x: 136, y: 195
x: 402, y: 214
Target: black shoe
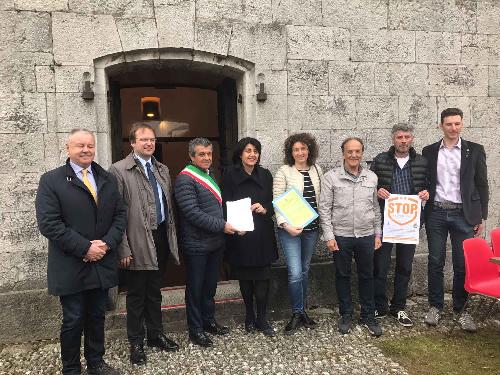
x: 266, y: 329
x: 250, y: 327
x: 294, y: 324
x: 307, y: 321
x: 200, y: 339
x: 137, y: 355
x: 372, y: 326
x: 162, y: 342
x: 345, y: 324
x: 101, y: 368
x: 379, y: 314
x: 215, y: 328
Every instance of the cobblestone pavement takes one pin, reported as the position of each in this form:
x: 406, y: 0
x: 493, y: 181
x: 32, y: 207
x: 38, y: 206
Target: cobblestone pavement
x: 319, y: 351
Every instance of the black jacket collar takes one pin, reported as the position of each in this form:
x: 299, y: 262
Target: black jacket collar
x: 240, y: 176
x: 465, y: 147
x: 412, y: 152
x: 100, y: 175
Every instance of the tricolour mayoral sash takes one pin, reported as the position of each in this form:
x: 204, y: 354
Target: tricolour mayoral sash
x: 204, y: 179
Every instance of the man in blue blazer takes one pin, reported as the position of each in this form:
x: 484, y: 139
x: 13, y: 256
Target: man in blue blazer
x: 458, y: 205
x: 80, y: 211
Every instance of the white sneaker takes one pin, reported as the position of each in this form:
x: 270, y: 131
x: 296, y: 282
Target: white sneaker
x: 403, y: 318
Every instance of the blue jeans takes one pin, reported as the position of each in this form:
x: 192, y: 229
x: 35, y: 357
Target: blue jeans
x: 82, y: 313
x: 362, y: 248
x: 298, y: 252
x: 439, y: 223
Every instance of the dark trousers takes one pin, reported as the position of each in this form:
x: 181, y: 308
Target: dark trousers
x: 144, y: 294
x: 82, y: 313
x: 439, y: 223
x: 402, y: 274
x: 258, y: 289
x: 201, y: 285
x: 362, y: 248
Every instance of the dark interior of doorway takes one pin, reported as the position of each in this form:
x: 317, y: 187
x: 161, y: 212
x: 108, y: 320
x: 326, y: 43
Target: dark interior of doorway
x: 203, y: 100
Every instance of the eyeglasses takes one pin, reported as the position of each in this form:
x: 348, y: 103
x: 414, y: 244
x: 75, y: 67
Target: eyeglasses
x: 144, y: 140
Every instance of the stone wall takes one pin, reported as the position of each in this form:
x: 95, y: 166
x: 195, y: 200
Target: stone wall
x: 334, y: 68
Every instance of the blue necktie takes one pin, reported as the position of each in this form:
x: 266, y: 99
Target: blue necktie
x: 154, y: 185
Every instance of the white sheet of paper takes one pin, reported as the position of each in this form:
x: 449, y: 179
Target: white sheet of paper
x: 239, y: 214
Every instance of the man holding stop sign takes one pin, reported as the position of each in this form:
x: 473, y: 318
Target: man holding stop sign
x: 400, y: 170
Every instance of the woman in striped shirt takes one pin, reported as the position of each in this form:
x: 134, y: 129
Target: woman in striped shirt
x: 298, y: 244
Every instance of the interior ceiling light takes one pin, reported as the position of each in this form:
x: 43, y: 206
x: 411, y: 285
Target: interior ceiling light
x: 150, y: 108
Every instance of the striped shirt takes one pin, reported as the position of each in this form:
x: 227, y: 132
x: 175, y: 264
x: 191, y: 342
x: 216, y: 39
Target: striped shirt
x: 310, y: 196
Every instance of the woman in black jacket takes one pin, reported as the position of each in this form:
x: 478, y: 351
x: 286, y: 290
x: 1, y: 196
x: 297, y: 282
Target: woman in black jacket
x: 250, y: 256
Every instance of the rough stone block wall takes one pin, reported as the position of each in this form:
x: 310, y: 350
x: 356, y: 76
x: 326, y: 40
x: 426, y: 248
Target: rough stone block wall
x: 334, y: 68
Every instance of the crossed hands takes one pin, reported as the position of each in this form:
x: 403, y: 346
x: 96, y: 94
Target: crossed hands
x: 333, y: 246
x: 96, y: 251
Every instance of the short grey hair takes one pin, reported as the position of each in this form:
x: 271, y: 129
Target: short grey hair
x: 402, y: 127
x: 198, y: 142
x: 79, y: 130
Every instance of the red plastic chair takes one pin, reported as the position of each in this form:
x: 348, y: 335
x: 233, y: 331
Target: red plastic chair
x: 495, y: 241
x: 481, y: 276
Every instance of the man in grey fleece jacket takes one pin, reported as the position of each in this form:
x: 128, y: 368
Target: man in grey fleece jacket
x: 351, y: 224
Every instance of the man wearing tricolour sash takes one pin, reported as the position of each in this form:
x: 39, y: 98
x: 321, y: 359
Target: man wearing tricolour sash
x: 202, y: 229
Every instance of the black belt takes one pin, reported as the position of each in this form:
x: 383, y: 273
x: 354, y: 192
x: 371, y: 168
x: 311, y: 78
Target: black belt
x: 448, y: 205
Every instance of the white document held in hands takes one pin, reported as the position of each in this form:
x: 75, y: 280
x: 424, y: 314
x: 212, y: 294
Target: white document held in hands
x: 239, y: 214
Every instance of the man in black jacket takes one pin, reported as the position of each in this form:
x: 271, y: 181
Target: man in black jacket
x: 458, y: 205
x: 400, y: 171
x: 79, y: 210
x: 202, y: 229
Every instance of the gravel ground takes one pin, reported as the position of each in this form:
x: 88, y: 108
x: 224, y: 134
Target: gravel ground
x: 319, y: 351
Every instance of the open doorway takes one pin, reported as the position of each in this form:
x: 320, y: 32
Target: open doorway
x: 183, y: 113
x: 185, y: 104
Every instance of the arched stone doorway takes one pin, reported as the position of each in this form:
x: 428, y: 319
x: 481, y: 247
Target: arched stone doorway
x: 199, y: 94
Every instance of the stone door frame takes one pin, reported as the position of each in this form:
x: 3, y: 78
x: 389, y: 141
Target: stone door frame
x: 242, y: 71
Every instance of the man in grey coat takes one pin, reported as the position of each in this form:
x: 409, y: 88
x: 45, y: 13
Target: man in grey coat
x: 350, y: 219
x: 148, y: 240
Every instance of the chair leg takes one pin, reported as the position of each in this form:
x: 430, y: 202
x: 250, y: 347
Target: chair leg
x: 490, y: 310
x: 497, y: 305
x: 477, y: 310
x: 455, y: 321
